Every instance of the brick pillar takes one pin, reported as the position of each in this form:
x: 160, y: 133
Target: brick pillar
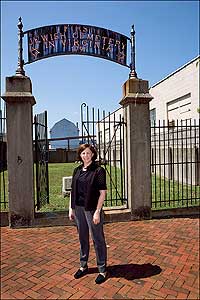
x: 135, y: 104
x: 19, y: 102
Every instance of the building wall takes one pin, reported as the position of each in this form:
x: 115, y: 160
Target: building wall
x: 176, y: 97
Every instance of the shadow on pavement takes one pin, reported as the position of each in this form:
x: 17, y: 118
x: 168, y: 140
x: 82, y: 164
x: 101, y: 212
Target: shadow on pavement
x: 130, y: 271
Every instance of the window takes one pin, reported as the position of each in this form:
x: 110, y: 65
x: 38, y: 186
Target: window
x: 179, y: 108
x: 153, y: 116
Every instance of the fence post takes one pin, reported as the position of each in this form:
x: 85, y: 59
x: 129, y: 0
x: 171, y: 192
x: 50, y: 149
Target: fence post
x: 19, y: 102
x: 135, y: 104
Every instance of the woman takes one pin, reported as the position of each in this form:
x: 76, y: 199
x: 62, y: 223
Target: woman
x: 87, y: 197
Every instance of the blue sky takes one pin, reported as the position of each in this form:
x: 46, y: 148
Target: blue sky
x: 167, y: 37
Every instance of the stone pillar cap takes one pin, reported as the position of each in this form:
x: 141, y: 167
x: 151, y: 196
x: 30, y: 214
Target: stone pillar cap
x: 135, y: 90
x: 18, y: 97
x: 18, y: 89
x: 138, y: 98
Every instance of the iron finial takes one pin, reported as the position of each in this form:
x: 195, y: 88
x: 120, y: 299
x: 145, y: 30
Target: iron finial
x: 132, y: 64
x: 20, y: 70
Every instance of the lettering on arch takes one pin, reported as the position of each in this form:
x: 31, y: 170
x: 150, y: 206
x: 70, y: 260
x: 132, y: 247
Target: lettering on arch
x: 68, y: 39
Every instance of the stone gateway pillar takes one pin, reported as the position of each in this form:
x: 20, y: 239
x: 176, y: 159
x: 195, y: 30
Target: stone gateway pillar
x: 19, y: 102
x: 135, y: 104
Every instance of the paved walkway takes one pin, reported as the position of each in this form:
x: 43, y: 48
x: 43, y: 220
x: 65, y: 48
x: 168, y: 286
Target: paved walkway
x: 155, y: 259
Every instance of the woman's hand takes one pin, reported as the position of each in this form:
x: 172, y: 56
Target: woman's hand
x: 96, y: 217
x: 71, y: 214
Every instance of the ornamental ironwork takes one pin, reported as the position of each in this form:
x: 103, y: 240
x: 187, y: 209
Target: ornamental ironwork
x: 67, y: 39
x: 62, y: 39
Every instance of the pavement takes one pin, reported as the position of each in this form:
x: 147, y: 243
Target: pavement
x: 151, y: 259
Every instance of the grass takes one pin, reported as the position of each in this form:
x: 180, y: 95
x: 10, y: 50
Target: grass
x: 172, y: 192
x: 57, y: 202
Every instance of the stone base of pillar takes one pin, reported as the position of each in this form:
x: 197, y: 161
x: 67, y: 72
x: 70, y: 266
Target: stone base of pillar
x: 18, y: 221
x: 141, y: 213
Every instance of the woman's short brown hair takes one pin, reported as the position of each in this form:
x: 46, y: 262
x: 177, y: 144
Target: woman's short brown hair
x: 82, y: 147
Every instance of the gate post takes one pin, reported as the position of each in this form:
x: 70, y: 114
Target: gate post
x: 135, y: 104
x: 19, y: 102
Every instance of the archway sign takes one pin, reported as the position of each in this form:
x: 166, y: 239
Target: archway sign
x: 66, y: 39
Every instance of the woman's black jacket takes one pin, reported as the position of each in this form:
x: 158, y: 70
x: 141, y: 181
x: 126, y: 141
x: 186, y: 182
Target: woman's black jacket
x: 97, y: 182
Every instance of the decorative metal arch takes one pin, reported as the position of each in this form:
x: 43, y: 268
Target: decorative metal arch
x: 67, y: 39
x: 79, y: 39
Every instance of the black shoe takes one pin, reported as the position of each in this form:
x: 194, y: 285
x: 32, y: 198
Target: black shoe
x: 80, y: 273
x: 100, y: 278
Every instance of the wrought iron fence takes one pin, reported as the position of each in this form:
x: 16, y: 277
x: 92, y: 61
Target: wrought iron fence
x: 41, y: 159
x: 107, y: 133
x: 175, y: 159
x: 175, y: 164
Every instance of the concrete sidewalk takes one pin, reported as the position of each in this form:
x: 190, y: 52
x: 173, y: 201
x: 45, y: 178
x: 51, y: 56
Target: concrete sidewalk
x: 156, y: 259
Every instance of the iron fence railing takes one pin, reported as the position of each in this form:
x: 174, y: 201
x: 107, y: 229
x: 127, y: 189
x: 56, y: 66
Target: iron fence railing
x: 175, y: 164
x: 107, y: 133
x: 175, y: 159
x: 41, y: 159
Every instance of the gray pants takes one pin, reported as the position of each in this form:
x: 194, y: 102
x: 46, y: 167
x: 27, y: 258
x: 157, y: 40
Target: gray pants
x: 84, y: 221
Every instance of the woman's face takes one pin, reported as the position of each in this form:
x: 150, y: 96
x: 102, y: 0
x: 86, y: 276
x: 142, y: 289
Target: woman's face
x: 86, y: 156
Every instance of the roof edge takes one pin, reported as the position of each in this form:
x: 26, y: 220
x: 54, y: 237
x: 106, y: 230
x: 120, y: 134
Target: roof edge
x: 179, y: 69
